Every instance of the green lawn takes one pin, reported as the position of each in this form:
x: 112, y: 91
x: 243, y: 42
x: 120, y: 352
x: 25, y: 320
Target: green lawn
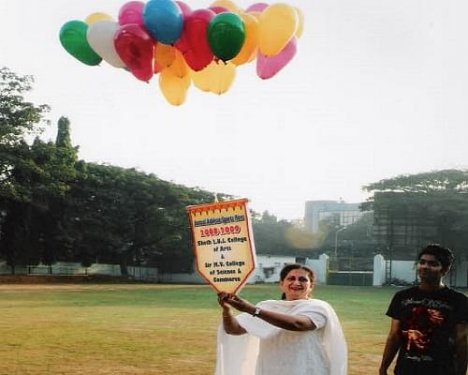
x: 152, y: 329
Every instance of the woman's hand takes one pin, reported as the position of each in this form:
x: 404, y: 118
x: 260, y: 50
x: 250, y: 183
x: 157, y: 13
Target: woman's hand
x: 230, y: 324
x: 222, y: 297
x: 285, y: 321
x: 229, y: 299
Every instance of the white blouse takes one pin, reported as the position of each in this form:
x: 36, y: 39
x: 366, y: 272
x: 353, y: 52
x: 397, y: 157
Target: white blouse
x: 270, y: 350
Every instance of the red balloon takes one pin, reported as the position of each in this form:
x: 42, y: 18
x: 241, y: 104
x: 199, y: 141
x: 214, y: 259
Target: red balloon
x: 136, y: 49
x: 186, y: 12
x: 193, y: 42
x: 131, y: 12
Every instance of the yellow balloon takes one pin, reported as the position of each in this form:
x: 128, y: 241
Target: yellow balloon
x: 98, y: 16
x: 224, y: 74
x: 228, y: 4
x: 174, y: 88
x: 202, y: 78
x: 249, y: 49
x: 217, y: 77
x: 257, y: 16
x: 300, y: 23
x: 278, y: 24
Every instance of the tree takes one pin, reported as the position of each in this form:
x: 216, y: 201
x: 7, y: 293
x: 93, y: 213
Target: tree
x: 123, y: 216
x: 449, y: 180
x: 60, y: 161
x: 18, y: 170
x: 412, y: 210
x: 34, y: 178
x: 40, y: 178
x: 18, y: 118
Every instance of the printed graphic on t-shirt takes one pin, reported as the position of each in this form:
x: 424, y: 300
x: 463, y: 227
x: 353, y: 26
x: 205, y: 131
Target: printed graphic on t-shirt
x: 420, y: 328
x: 425, y: 317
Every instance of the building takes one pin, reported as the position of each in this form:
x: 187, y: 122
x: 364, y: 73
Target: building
x: 341, y: 212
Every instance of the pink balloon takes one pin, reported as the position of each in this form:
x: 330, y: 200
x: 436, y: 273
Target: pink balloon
x: 269, y: 66
x: 136, y: 49
x: 257, y: 7
x: 185, y: 9
x: 131, y: 12
x: 218, y: 10
x: 193, y: 42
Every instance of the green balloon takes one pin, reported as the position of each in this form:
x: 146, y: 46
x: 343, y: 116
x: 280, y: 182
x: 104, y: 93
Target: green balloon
x: 73, y: 38
x: 226, y: 35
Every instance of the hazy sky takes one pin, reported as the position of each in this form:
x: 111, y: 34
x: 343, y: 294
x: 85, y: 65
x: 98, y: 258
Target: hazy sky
x: 378, y: 88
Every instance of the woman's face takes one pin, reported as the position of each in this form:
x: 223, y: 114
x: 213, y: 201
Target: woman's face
x: 296, y: 285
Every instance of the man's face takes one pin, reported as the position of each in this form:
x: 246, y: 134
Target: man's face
x: 429, y: 269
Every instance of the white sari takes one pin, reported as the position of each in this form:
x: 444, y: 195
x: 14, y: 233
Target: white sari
x: 269, y: 350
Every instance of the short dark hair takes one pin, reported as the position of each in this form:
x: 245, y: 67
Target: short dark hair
x: 289, y: 267
x: 295, y: 266
x: 443, y: 254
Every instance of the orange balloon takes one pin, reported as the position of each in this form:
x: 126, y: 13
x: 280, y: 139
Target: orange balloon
x: 164, y: 56
x: 256, y: 14
x: 178, y: 66
x: 249, y: 49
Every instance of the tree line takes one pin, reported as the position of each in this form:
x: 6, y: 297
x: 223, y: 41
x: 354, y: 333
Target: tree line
x: 56, y: 207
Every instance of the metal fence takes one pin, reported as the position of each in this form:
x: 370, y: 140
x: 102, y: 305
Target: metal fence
x: 355, y: 271
x: 75, y: 269
x: 355, y: 278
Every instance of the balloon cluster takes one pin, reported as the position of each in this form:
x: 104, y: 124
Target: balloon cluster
x: 204, y: 46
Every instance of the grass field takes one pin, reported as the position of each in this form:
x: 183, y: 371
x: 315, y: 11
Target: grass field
x: 153, y: 329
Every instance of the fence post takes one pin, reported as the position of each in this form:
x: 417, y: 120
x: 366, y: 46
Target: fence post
x: 324, y: 265
x: 378, y: 277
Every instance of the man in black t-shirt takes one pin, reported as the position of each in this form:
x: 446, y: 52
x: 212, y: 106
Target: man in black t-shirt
x: 429, y: 322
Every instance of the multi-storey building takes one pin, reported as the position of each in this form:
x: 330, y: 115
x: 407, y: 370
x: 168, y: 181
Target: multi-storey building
x: 343, y: 213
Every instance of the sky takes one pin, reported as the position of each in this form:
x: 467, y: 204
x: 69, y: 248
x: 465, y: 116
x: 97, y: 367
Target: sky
x: 378, y: 88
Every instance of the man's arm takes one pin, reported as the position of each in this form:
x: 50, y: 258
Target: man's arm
x: 391, y: 346
x: 461, y: 337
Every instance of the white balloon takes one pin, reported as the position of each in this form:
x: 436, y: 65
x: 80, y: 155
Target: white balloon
x: 100, y: 37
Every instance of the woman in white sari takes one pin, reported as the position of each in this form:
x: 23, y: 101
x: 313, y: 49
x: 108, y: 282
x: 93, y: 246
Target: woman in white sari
x: 293, y: 336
